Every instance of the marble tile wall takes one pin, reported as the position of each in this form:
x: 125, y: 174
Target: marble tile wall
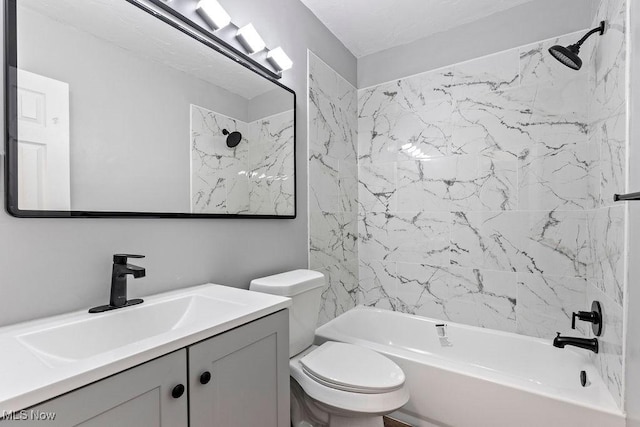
x: 473, y: 192
x: 606, y: 222
x: 254, y: 177
x: 485, y: 191
x: 333, y: 186
x: 271, y: 182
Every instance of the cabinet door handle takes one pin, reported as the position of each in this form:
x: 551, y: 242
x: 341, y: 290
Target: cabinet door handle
x: 205, y: 377
x: 177, y: 391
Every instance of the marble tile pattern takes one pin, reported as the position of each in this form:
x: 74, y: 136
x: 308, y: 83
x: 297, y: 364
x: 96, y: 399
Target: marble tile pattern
x: 484, y: 191
x: 606, y: 222
x: 255, y: 177
x: 216, y: 186
x: 473, y: 192
x: 480, y: 187
x: 271, y: 160
x: 333, y: 186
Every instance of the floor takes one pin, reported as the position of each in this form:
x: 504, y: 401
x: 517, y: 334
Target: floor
x: 389, y: 422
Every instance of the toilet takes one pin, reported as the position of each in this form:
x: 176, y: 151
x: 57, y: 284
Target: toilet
x: 334, y: 384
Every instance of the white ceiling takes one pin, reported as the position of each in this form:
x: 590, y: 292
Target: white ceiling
x: 369, y: 26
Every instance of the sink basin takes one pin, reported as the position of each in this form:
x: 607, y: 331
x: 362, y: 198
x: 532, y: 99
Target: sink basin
x: 95, y: 334
x: 48, y: 357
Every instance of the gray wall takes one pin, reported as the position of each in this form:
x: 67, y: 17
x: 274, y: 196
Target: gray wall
x: 521, y: 25
x: 268, y: 104
x: 632, y: 374
x: 50, y: 266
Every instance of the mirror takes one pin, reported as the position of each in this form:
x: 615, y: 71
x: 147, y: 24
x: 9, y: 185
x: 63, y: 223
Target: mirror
x: 114, y: 112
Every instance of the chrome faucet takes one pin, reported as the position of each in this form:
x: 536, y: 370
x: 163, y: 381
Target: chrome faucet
x: 586, y: 343
x: 119, y: 272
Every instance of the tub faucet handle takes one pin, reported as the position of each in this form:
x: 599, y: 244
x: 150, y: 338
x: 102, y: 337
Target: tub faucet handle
x: 594, y: 317
x: 582, y: 315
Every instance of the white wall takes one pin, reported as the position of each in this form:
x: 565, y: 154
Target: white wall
x: 50, y: 266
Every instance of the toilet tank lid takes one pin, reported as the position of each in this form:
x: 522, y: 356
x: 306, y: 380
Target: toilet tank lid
x: 288, y: 284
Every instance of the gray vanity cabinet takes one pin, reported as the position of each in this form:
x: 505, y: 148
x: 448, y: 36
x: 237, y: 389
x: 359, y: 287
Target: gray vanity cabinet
x: 140, y: 396
x: 245, y: 374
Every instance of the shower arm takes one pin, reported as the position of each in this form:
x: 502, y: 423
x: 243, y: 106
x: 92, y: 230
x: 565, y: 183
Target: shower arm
x: 599, y: 29
x: 626, y: 197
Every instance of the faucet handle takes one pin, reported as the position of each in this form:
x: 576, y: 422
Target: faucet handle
x: 586, y: 316
x: 122, y: 258
x: 594, y: 317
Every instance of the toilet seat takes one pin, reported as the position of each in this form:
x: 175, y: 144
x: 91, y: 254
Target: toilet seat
x: 338, y: 400
x: 352, y: 368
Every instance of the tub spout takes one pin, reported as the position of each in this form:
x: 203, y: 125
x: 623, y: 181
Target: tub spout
x: 586, y: 343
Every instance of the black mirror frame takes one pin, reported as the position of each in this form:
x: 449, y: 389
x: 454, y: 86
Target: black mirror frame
x: 180, y: 23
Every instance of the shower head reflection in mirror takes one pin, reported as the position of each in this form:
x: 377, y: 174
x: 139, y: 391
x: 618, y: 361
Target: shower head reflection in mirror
x: 233, y: 138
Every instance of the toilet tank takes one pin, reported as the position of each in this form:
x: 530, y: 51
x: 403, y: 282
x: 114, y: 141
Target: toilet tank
x: 304, y: 287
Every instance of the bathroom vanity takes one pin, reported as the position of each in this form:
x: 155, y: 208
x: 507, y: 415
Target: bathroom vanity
x: 218, y: 357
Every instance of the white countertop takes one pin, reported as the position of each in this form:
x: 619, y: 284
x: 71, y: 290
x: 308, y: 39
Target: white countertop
x: 29, y: 376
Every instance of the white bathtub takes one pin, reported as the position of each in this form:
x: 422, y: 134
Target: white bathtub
x: 484, y: 378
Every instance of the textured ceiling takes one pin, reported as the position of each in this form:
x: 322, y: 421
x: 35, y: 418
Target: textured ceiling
x: 369, y: 26
x: 126, y: 26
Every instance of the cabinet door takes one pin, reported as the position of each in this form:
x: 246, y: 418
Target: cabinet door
x: 249, y: 383
x: 137, y: 397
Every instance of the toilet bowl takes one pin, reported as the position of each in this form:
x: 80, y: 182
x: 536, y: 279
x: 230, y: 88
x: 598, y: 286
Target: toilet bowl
x: 334, y: 384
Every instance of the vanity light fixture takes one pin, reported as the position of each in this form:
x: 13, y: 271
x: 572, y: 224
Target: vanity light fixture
x: 216, y: 17
x: 250, y: 39
x: 213, y: 14
x: 279, y: 59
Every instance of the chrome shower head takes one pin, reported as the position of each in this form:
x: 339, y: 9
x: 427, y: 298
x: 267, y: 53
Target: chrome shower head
x: 569, y: 55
